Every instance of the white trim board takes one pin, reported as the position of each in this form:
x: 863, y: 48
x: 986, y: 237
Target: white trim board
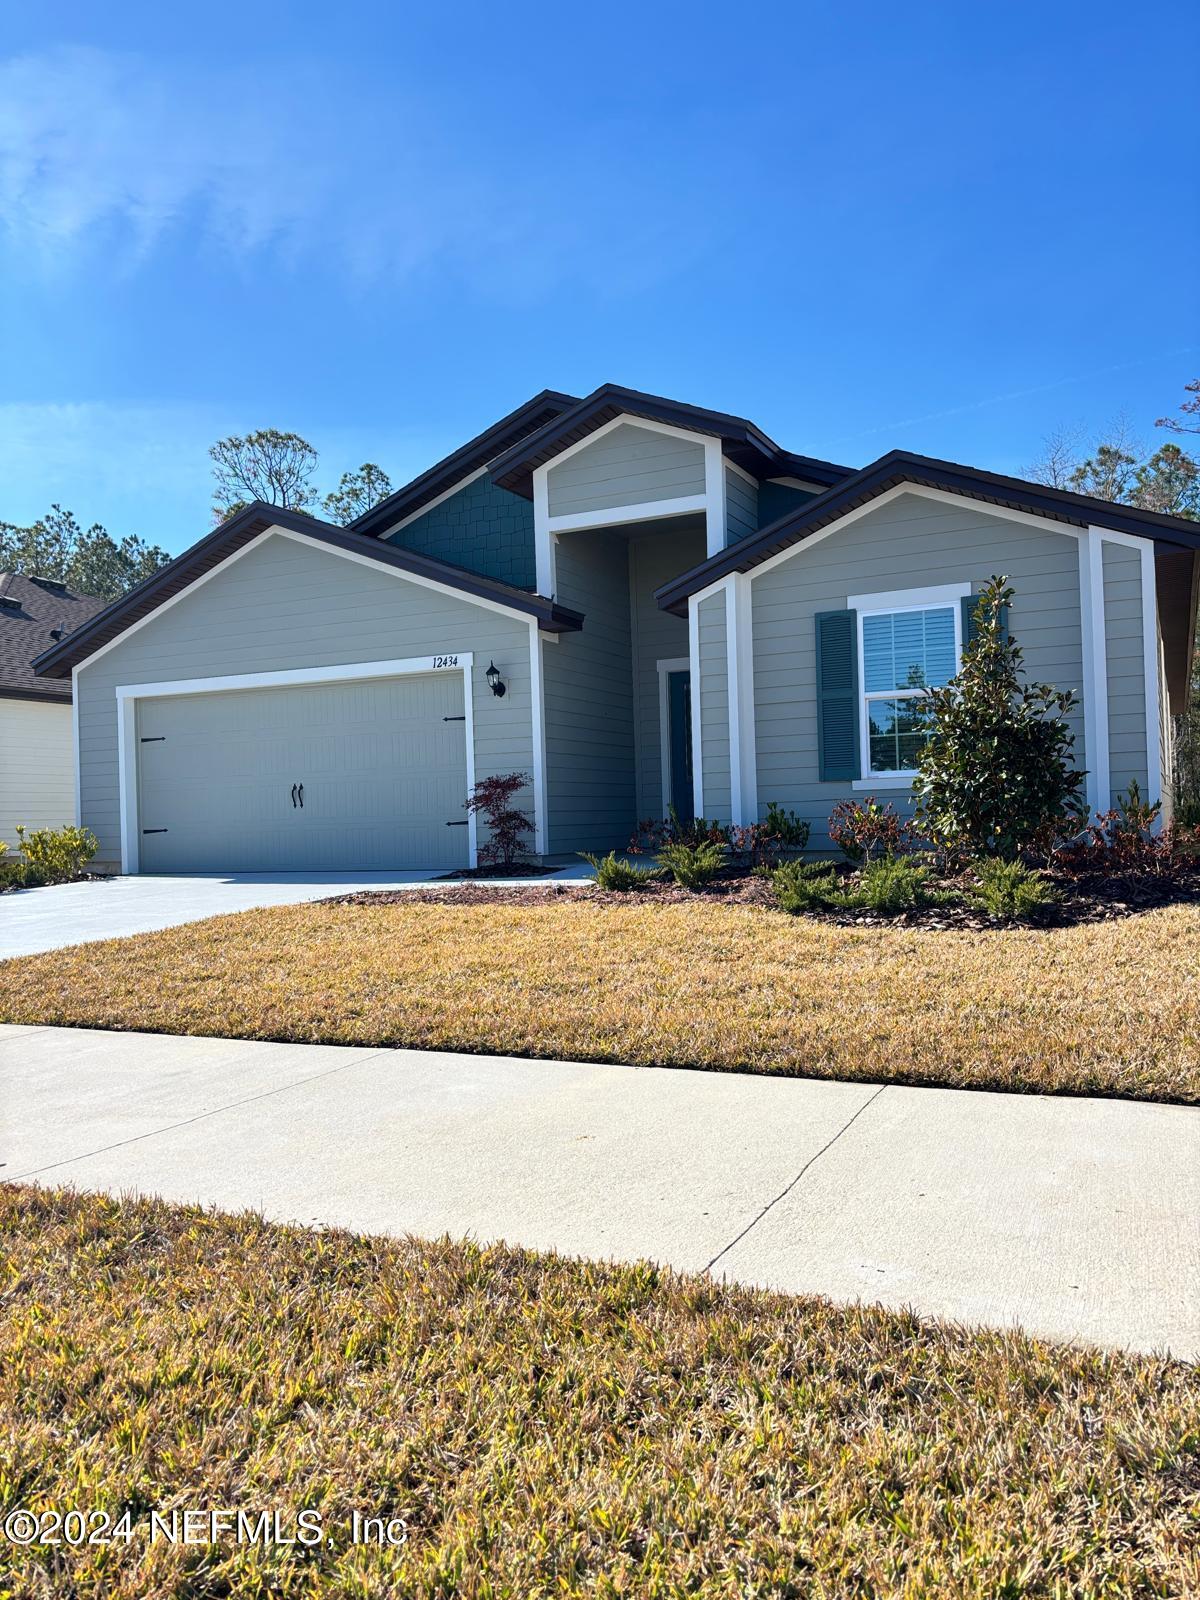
x: 697, y: 708
x: 276, y: 532
x: 128, y: 695
x: 616, y: 516
x: 537, y: 699
x: 1095, y: 671
x: 739, y: 664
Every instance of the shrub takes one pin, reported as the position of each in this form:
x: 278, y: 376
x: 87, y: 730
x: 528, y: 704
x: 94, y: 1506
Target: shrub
x: 790, y: 830
x: 893, y: 883
x: 1125, y: 840
x: 802, y: 886
x: 507, y: 825
x: 617, y: 876
x: 653, y: 834
x: 863, y: 829
x: 1186, y: 777
x: 1009, y: 890
x: 692, y: 866
x: 55, y: 855
x: 994, y: 776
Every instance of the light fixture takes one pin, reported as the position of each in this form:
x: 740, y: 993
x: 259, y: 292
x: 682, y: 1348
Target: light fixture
x: 493, y: 679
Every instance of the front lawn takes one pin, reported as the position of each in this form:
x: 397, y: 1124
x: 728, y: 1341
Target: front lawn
x: 1110, y: 1008
x: 546, y: 1427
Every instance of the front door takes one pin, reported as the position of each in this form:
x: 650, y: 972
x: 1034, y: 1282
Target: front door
x: 679, y: 713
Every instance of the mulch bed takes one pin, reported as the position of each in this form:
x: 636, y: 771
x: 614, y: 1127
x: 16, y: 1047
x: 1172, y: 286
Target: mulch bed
x: 519, y: 869
x: 1083, y: 898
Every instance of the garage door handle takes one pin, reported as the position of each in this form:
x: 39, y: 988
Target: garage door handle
x: 293, y: 797
x: 456, y: 824
x: 154, y: 830
x: 302, y: 797
x: 454, y: 719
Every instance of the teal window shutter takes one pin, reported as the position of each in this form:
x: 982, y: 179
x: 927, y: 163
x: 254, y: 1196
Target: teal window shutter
x: 969, y: 628
x: 837, y: 695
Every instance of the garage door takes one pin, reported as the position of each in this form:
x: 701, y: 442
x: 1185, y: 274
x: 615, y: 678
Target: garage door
x: 365, y: 775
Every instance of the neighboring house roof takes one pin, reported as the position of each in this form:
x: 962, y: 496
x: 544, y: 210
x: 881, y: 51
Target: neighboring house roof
x: 238, y: 531
x: 744, y: 443
x: 34, y: 614
x: 899, y: 467
x: 461, y: 463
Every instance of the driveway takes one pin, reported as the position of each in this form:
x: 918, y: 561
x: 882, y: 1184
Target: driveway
x: 1073, y: 1218
x: 110, y: 908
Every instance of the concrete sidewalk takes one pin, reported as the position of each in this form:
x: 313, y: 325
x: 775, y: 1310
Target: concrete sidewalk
x: 1075, y: 1219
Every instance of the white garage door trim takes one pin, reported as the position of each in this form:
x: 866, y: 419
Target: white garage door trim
x: 128, y: 694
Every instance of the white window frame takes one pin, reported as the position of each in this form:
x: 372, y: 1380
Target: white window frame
x: 888, y: 604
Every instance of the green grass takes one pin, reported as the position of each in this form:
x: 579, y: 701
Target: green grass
x: 1109, y: 1008
x: 550, y: 1428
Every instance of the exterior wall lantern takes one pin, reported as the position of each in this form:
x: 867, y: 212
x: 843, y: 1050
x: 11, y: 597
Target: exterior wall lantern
x: 493, y: 680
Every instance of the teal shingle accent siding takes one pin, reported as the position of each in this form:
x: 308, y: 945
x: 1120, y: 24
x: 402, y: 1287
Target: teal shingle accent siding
x: 482, y: 528
x: 775, y: 500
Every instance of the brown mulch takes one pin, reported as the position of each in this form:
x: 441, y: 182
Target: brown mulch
x: 519, y: 869
x: 1082, y: 898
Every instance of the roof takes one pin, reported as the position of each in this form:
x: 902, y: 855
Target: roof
x: 899, y: 467
x: 32, y: 612
x: 238, y: 531
x: 469, y: 458
x: 741, y: 440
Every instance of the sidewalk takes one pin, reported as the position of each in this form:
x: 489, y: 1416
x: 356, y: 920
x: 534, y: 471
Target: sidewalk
x: 1076, y: 1219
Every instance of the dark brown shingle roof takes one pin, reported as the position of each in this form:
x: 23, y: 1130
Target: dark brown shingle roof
x: 34, y: 614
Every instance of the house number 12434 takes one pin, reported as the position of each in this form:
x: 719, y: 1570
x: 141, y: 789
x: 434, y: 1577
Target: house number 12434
x: 444, y: 661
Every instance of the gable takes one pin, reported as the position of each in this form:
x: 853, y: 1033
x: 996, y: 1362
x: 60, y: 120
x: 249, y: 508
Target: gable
x: 480, y: 527
x: 629, y: 465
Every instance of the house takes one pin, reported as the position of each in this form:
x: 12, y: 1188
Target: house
x: 636, y: 601
x: 37, y: 752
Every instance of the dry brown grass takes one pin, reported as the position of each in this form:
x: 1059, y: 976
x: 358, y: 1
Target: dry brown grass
x: 545, y: 1427
x: 1112, y: 1008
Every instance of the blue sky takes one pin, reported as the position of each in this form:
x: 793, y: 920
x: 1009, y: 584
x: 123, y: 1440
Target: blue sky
x: 948, y: 228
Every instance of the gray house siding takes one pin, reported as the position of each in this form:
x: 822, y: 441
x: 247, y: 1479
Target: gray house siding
x: 287, y: 604
x: 657, y: 636
x: 714, y: 706
x: 910, y: 543
x: 628, y: 466
x: 588, y: 689
x: 479, y: 527
x: 741, y: 507
x: 1126, y: 671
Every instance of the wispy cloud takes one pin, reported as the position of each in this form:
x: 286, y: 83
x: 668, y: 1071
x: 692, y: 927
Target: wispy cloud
x: 95, y: 144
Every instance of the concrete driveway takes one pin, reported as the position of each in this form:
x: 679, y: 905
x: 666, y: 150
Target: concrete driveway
x: 1073, y: 1218
x: 110, y: 908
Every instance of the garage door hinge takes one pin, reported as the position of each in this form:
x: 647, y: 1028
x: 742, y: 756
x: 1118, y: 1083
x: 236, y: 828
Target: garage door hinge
x: 454, y: 719
x: 456, y: 824
x: 154, y: 830
x: 153, y: 738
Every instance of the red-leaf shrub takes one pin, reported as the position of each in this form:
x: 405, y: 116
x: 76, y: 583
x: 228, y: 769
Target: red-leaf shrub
x: 491, y: 799
x: 863, y: 829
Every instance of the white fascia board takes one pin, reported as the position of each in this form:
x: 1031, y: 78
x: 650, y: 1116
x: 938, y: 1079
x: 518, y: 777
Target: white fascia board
x: 732, y: 466
x: 801, y: 483
x: 75, y: 746
x: 430, y: 505
x: 616, y: 516
x: 671, y: 431
x: 377, y: 565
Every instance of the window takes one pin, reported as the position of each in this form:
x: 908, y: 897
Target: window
x: 907, y: 644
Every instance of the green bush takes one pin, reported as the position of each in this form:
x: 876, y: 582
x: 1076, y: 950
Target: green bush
x: 995, y: 775
x: 692, y: 866
x: 617, y: 876
x: 893, y: 883
x: 55, y: 855
x: 802, y: 886
x: 785, y: 827
x: 1009, y: 890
